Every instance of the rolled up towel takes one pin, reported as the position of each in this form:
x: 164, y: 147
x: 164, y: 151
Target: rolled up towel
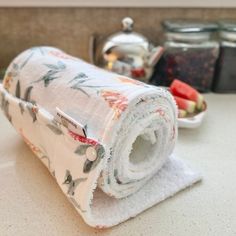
x: 107, y: 139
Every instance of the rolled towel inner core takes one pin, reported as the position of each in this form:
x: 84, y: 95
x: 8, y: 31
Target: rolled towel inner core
x: 143, y: 149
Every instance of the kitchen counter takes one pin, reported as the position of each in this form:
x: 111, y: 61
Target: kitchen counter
x: 31, y: 203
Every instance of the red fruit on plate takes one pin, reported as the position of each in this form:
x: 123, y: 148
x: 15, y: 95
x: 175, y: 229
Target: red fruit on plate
x: 184, y: 104
x: 183, y: 90
x: 182, y: 113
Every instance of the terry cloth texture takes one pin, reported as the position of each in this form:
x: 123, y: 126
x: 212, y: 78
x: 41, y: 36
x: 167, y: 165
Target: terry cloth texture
x: 107, y: 139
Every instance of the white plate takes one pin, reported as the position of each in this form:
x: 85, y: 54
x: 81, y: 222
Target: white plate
x: 194, y: 121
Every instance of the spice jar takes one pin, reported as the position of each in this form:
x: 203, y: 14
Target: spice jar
x: 225, y: 72
x: 190, y: 54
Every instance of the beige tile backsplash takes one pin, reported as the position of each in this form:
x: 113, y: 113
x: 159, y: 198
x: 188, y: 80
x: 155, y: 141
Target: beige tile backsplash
x: 71, y: 28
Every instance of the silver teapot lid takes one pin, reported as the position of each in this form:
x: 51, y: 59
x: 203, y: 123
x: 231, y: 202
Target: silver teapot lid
x: 126, y: 37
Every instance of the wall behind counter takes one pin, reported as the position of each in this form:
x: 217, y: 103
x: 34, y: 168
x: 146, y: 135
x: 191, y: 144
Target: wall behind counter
x: 71, y: 28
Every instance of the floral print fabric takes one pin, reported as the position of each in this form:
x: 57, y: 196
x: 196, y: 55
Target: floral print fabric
x: 105, y: 114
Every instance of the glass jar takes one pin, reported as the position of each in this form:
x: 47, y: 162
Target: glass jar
x: 225, y: 73
x: 190, y: 54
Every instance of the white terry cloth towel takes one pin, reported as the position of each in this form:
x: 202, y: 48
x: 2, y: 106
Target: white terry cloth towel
x: 107, y: 139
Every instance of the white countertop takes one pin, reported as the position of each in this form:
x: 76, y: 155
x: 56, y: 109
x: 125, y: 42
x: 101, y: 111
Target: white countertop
x: 31, y: 203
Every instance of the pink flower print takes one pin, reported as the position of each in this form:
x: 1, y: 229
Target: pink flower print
x: 117, y: 101
x: 7, y: 81
x: 61, y: 55
x: 130, y: 81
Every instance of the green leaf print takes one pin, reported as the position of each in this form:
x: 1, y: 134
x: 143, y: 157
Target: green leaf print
x: 79, y: 77
x: 116, y: 177
x: 72, y: 183
x: 15, y: 66
x: 80, y: 81
x: 60, y: 66
x: 48, y: 77
x: 52, y: 74
x: 18, y: 89
x: 100, y: 151
x: 26, y: 60
x: 33, y: 51
x: 56, y: 130
x: 80, y: 89
x: 50, y: 66
x: 28, y: 93
x: 85, y: 130
x: 87, y: 166
x: 22, y: 109
x: 3, y: 100
x: 6, y: 110
x: 81, y: 150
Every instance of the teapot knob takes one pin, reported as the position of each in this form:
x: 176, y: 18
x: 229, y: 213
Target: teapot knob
x: 128, y: 24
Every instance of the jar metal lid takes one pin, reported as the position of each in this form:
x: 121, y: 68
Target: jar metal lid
x: 184, y: 26
x: 190, y: 37
x: 229, y: 26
